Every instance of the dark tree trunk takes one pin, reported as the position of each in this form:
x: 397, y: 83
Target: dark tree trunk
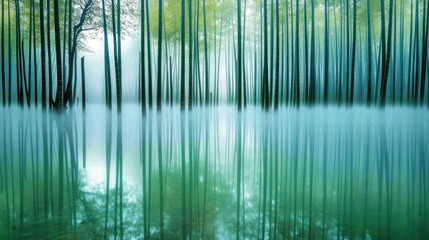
x: 59, y: 97
x: 149, y: 57
x: 385, y: 68
x: 82, y: 65
x: 240, y: 60
x: 42, y: 51
x: 352, y: 77
x: 326, y: 71
x: 159, y: 77
x: 265, y: 93
x: 369, y: 71
x: 3, y: 75
x: 107, y: 73
x: 206, y: 57
x: 191, y: 95
x: 277, y: 77
x: 182, y: 58
x: 296, y: 87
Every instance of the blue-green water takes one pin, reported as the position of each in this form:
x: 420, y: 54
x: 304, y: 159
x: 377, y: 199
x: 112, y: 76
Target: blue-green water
x: 215, y: 173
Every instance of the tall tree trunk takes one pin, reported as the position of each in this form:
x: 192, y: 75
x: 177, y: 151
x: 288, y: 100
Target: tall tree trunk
x: 190, y: 73
x: 9, y: 43
x: 159, y: 77
x: 3, y: 76
x: 296, y: 87
x: 82, y: 65
x: 352, y: 77
x: 265, y: 94
x: 107, y: 73
x: 48, y: 26
x: 385, y: 68
x: 142, y: 57
x: 277, y: 77
x: 119, y: 72
x: 306, y: 84
x: 59, y: 96
x: 206, y: 57
x: 42, y: 51
x: 36, y: 94
x: 369, y: 49
x: 142, y: 61
x: 240, y: 60
x: 149, y: 57
x: 313, y: 58
x: 182, y: 58
x: 31, y: 30
x: 326, y: 71
x: 424, y: 53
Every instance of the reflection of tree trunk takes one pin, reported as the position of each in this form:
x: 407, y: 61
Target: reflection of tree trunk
x: 70, y: 130
x: 144, y: 178
x: 12, y: 177
x: 108, y: 161
x: 265, y: 175
x: 60, y: 167
x: 6, y: 173
x: 45, y: 163
x: 311, y: 162
x: 191, y: 143
x: 183, y: 166
x: 161, y: 187
x: 119, y: 179
x: 206, y: 162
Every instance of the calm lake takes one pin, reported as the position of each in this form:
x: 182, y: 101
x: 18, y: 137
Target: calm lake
x: 214, y: 173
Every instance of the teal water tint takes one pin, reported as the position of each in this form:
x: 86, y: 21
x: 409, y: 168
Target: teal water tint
x: 214, y: 173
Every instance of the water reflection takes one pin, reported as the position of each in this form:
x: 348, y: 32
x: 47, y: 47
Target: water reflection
x: 214, y: 173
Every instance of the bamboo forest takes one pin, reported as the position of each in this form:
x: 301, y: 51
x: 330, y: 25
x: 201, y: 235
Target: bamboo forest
x: 214, y: 119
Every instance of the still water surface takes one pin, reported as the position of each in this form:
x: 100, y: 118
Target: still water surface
x: 215, y: 173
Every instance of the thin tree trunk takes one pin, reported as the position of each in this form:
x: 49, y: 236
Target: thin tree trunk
x: 59, y: 97
x: 369, y: 48
x: 240, y: 60
x: 107, y: 73
x: 265, y: 93
x: 159, y: 78
x: 385, y: 68
x: 352, y: 77
x: 190, y: 73
x: 3, y: 75
x: 326, y: 71
x: 82, y: 65
x: 277, y: 77
x: 149, y: 57
x: 182, y: 58
x: 206, y: 57
x: 43, y: 51
x: 297, y: 83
